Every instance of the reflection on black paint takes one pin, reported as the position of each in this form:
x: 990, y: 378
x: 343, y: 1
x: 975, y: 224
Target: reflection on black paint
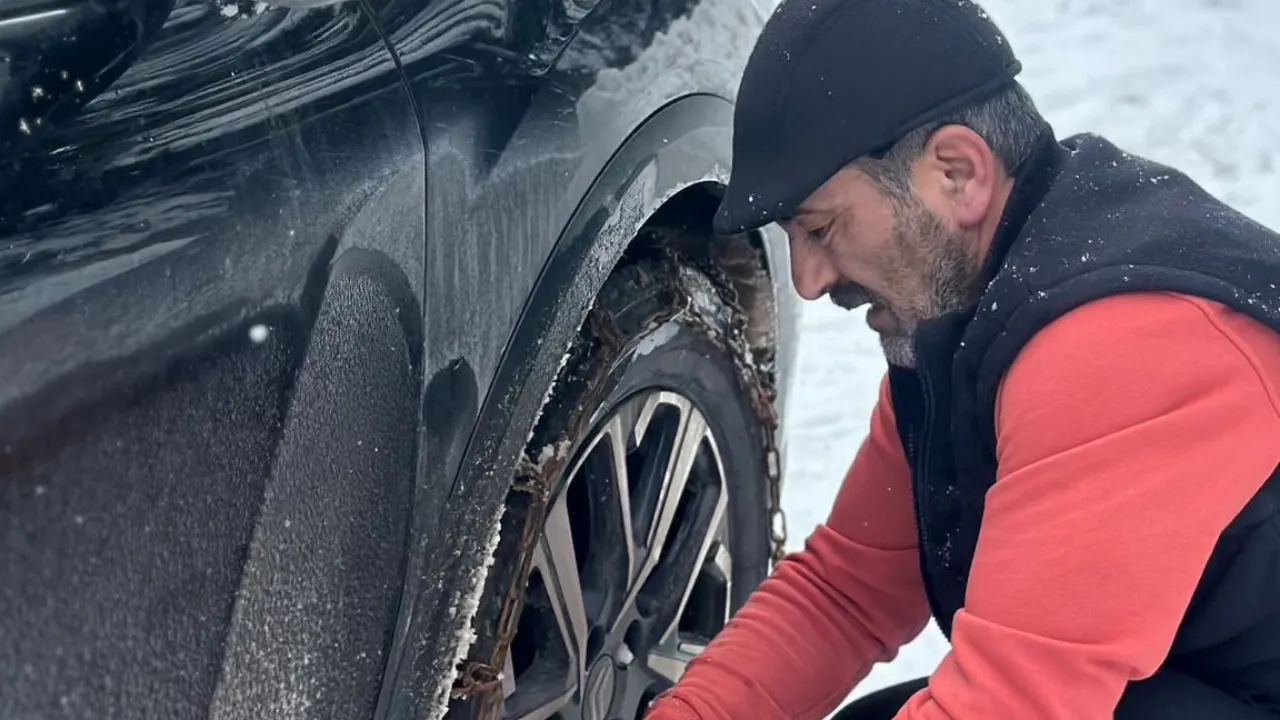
x: 141, y: 164
x: 195, y: 182
x: 449, y: 407
x: 204, y: 185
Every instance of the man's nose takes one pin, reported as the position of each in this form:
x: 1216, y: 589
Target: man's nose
x: 811, y: 272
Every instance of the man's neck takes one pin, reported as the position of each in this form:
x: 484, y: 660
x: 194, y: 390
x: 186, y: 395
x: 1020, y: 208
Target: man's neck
x: 992, y: 223
x: 1019, y: 195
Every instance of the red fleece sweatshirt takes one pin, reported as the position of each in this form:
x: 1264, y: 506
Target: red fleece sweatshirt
x: 1130, y: 432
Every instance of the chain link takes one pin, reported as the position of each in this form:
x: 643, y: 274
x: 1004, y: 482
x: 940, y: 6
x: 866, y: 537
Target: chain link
x: 777, y: 518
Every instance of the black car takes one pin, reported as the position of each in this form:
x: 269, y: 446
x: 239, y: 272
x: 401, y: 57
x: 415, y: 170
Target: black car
x: 375, y: 359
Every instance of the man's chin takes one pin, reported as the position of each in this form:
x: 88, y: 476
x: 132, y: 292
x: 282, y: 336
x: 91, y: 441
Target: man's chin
x: 880, y: 319
x: 898, y: 350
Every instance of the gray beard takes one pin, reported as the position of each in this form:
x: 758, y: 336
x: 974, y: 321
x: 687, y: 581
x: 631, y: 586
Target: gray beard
x: 949, y: 272
x: 900, y: 350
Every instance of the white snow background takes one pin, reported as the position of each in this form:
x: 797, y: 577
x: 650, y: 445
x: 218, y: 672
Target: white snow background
x: 1190, y: 83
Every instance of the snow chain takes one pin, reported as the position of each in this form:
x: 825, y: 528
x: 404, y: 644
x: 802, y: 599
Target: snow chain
x: 481, y: 677
x: 756, y: 381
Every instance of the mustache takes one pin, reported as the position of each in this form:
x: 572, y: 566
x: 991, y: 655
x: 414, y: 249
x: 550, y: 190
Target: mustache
x: 850, y: 296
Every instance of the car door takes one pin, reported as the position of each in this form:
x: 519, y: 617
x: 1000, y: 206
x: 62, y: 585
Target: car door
x: 211, y: 264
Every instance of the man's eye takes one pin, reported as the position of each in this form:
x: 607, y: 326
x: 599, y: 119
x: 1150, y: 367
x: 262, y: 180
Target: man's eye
x: 821, y: 234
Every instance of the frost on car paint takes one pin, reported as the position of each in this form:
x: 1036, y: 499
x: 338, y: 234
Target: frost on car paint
x: 697, y: 50
x: 463, y: 615
x: 240, y: 9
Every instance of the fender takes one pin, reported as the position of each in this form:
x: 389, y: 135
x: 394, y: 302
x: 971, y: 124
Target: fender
x: 685, y: 143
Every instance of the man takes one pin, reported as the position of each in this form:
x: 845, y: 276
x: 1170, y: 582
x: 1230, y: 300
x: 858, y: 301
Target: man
x: 1073, y: 462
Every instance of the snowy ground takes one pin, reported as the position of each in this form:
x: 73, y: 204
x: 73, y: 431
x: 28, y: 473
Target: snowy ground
x: 1191, y: 83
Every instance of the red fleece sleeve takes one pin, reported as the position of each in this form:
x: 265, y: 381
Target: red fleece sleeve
x: 1130, y: 433
x: 811, y: 631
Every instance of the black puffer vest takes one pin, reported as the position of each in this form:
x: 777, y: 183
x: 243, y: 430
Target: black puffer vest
x: 1085, y: 221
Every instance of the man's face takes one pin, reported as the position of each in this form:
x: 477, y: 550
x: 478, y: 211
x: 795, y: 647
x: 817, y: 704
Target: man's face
x: 913, y: 257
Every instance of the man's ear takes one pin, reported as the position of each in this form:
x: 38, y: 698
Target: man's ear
x: 962, y: 172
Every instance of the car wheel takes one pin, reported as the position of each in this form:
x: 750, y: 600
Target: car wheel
x: 639, y: 523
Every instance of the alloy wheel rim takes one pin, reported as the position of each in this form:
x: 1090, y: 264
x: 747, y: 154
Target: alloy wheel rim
x: 632, y: 574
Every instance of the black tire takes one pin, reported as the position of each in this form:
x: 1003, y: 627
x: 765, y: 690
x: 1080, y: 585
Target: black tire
x: 656, y: 328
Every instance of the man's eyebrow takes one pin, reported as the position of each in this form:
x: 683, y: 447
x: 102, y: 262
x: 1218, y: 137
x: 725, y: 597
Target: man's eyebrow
x: 806, y: 212
x: 822, y: 211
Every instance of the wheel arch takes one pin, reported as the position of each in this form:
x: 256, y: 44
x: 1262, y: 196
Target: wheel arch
x: 658, y: 192
x: 663, y: 180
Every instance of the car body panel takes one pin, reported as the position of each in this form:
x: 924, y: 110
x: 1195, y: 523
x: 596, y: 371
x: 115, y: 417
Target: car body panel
x: 292, y: 246
x: 204, y: 186
x: 167, y: 275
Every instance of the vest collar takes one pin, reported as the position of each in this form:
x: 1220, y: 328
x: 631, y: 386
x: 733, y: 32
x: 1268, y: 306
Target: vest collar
x: 1031, y: 182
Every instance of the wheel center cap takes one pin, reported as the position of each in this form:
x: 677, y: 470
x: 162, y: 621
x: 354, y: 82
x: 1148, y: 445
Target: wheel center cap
x: 598, y: 694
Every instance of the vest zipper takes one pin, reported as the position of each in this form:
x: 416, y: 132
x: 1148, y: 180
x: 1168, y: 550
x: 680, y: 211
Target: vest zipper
x: 913, y: 397
x: 921, y: 494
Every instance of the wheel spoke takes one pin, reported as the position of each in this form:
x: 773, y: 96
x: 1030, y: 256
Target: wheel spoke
x: 556, y: 560
x: 723, y: 561
x: 541, y: 712
x: 721, y: 527
x: 616, y: 435
x: 670, y: 660
x: 508, y: 677
x: 692, y: 430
